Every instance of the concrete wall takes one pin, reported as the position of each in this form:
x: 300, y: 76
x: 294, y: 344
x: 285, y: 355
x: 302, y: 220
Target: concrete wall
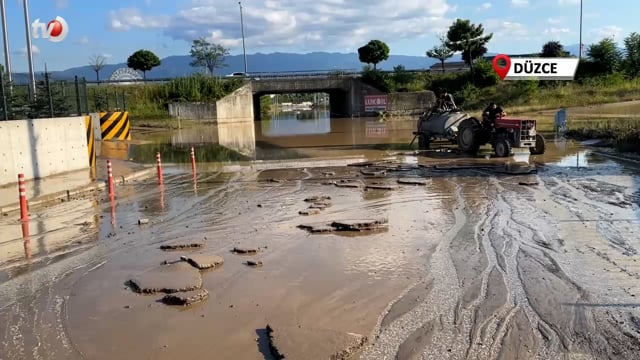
x: 193, y: 111
x: 410, y: 103
x: 236, y: 107
x: 42, y: 147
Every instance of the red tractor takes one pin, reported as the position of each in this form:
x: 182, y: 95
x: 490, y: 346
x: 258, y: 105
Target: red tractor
x: 503, y: 134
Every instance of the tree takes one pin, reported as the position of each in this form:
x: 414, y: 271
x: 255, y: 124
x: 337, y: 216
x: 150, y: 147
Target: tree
x: 441, y: 52
x: 468, y: 38
x: 632, y: 54
x: 97, y: 63
x: 143, y: 60
x: 207, y: 55
x: 401, y: 76
x: 553, y: 49
x: 374, y: 52
x: 605, y: 56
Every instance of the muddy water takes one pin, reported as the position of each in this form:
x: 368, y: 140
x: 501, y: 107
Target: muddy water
x: 479, y: 263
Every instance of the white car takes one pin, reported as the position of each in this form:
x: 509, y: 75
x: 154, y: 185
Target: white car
x: 237, y: 74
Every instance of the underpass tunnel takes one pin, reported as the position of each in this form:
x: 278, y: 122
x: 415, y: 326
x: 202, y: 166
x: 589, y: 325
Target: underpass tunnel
x: 316, y: 97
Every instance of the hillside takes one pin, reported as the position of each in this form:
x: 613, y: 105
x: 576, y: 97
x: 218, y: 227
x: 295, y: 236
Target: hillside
x: 174, y: 66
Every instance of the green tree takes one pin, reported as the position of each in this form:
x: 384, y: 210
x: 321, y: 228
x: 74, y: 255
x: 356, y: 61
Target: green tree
x: 605, y: 56
x: 143, y: 60
x: 374, y: 52
x: 440, y: 52
x: 401, y: 76
x: 468, y: 38
x: 553, y: 49
x: 207, y: 55
x: 632, y: 54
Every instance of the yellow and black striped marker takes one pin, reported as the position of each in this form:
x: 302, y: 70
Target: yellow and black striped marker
x: 115, y: 125
x: 91, y: 141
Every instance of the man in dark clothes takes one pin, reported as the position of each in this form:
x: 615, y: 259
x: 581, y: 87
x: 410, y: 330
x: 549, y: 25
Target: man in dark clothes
x: 446, y: 102
x: 492, y: 112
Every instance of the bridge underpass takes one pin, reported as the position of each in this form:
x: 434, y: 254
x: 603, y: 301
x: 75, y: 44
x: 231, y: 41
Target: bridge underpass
x: 346, y: 94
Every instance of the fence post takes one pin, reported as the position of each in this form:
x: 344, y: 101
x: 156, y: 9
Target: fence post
x: 4, y: 97
x: 77, y: 86
x: 49, y: 94
x: 115, y: 96
x: 86, y: 97
x: 124, y: 101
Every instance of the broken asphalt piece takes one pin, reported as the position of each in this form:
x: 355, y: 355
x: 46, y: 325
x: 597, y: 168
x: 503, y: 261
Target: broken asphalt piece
x: 413, y: 181
x: 330, y: 182
x: 346, y: 225
x: 186, y: 298
x: 528, y: 183
x: 380, y: 187
x: 187, y: 246
x: 374, y: 172
x: 319, y: 205
x: 317, y: 198
x: 348, y: 184
x: 167, y: 279
x: 329, y: 173
x: 245, y: 251
x: 309, y: 212
x: 295, y: 342
x: 143, y: 221
x: 254, y: 263
x: 202, y: 261
x: 362, y: 163
x: 401, y: 167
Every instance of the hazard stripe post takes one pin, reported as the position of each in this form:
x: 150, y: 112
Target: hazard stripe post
x: 91, y: 141
x: 115, y: 125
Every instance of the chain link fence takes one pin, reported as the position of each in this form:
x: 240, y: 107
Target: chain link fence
x: 51, y: 99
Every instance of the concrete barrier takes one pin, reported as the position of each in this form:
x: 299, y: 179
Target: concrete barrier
x: 193, y: 111
x: 115, y: 125
x: 236, y: 107
x: 91, y: 141
x: 42, y: 147
x: 410, y: 103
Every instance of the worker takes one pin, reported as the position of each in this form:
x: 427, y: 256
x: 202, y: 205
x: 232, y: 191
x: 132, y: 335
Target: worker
x: 448, y: 101
x: 492, y: 112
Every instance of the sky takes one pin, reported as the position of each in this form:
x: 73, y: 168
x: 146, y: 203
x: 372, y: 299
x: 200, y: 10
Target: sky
x: 117, y: 28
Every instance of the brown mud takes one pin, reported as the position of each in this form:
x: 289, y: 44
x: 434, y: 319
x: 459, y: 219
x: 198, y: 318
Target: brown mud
x: 483, y: 260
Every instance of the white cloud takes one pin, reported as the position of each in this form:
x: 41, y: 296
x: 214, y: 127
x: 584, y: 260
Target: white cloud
x: 557, y: 20
x: 557, y: 31
x: 507, y: 29
x: 520, y: 3
x: 568, y: 2
x: 23, y: 51
x: 300, y: 25
x: 62, y: 4
x: 485, y: 6
x: 611, y: 31
x: 83, y: 40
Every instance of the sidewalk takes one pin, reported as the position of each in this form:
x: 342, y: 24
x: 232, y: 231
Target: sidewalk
x: 65, y: 186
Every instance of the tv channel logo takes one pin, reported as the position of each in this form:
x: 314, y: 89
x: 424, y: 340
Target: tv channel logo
x: 55, y: 30
x: 509, y: 68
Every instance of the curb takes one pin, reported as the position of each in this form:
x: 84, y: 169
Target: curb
x: 66, y: 195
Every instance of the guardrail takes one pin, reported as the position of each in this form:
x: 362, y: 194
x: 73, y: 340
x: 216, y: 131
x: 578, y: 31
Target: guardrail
x: 277, y: 75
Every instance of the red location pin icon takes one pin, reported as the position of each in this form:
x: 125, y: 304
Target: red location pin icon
x: 502, y: 69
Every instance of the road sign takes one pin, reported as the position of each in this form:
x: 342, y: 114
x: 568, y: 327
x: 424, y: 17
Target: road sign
x: 375, y: 102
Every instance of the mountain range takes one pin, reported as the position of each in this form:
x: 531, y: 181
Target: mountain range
x: 177, y: 65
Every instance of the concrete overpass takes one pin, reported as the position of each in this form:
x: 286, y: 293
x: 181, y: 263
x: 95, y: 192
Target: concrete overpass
x: 346, y: 92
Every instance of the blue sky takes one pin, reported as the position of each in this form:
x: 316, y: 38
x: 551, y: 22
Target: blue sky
x: 116, y: 28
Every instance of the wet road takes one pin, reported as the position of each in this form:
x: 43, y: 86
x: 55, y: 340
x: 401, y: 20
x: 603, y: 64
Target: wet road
x: 476, y: 264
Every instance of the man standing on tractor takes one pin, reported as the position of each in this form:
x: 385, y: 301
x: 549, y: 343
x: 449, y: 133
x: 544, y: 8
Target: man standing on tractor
x: 445, y: 101
x: 491, y: 113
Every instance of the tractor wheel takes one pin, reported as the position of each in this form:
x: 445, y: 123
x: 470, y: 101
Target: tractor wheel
x: 540, y: 146
x: 502, y: 147
x: 424, y: 142
x: 468, y: 139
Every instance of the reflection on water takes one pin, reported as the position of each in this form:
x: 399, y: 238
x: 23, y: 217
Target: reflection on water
x: 297, y: 123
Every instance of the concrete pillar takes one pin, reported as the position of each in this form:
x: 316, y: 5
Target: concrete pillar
x: 97, y: 129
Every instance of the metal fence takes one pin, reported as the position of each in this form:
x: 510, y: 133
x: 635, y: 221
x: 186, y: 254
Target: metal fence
x: 51, y: 99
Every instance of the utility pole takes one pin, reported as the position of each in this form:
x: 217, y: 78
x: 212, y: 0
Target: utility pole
x: 580, y: 46
x: 244, y: 51
x: 5, y: 37
x: 32, y: 75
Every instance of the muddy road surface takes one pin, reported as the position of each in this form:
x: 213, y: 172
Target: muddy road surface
x: 416, y: 257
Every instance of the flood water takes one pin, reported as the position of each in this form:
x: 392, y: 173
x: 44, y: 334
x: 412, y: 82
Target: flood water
x: 530, y: 257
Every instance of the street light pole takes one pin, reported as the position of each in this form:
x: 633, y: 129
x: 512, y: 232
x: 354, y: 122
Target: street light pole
x: 32, y: 75
x: 580, y: 46
x: 5, y: 37
x: 244, y: 51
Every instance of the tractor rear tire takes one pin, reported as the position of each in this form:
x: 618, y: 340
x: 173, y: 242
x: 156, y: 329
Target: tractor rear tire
x: 540, y: 146
x: 502, y: 147
x: 468, y: 140
x: 424, y: 142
